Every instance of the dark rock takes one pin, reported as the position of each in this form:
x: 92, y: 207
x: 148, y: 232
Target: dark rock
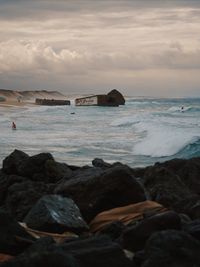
x: 22, y: 196
x: 117, y: 97
x: 187, y: 170
x: 164, y: 187
x: 113, y: 230
x: 13, y: 238
x: 139, y: 257
x: 172, y: 248
x: 12, y: 162
x: 53, y: 213
x: 193, y: 228
x: 5, y: 182
x: 42, y: 259
x: 100, y: 163
x: 115, y: 187
x: 135, y: 237
x: 189, y: 205
x: 97, y: 251
x: 34, y: 167
x: 56, y: 171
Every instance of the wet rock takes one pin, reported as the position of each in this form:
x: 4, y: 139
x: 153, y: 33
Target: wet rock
x: 114, y: 187
x: 12, y: 162
x: 21, y: 197
x: 172, y: 248
x: 135, y: 237
x: 97, y: 251
x: 53, y: 213
x: 13, y: 238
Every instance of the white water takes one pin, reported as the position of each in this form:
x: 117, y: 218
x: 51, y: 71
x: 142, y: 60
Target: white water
x: 139, y: 133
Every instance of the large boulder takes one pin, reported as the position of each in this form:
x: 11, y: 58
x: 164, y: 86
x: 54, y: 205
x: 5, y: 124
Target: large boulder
x: 13, y: 238
x: 188, y: 171
x: 21, y: 197
x: 5, y: 182
x: 114, y: 187
x: 42, y: 259
x: 117, y: 96
x: 56, y: 171
x: 53, y: 213
x: 97, y: 251
x: 190, y: 205
x: 34, y: 167
x: 164, y: 186
x: 135, y: 237
x: 172, y: 248
x: 193, y: 228
x: 12, y: 162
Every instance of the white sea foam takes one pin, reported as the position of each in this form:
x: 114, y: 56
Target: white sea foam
x: 130, y: 133
x: 178, y: 109
x: 162, y: 141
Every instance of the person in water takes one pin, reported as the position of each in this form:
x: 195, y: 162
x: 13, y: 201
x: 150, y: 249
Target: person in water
x: 14, y: 126
x: 182, y: 109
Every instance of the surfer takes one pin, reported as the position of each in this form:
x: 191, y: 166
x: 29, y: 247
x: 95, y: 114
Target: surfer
x: 14, y: 126
x: 182, y: 109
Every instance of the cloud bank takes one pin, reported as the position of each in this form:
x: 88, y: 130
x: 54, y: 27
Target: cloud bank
x: 93, y: 46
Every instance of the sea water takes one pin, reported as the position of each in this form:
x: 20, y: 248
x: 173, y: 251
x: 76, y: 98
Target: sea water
x: 140, y: 133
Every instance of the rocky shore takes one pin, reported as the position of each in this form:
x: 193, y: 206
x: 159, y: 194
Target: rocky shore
x: 107, y: 215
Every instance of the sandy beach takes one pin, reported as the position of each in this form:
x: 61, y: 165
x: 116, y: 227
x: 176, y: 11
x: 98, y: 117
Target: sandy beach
x: 10, y: 102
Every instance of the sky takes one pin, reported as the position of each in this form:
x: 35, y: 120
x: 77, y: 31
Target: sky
x: 140, y: 47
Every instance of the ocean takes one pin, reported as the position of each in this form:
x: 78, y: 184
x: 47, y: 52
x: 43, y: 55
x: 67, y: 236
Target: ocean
x: 140, y: 133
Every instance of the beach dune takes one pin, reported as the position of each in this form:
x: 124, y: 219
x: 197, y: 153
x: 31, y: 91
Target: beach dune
x: 22, y: 98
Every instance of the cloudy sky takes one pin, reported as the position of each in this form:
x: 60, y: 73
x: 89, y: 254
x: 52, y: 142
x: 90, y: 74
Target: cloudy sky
x: 142, y: 48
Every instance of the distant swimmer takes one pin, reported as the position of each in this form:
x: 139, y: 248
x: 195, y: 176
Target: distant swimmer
x: 14, y: 126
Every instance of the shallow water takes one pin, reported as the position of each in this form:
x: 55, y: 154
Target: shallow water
x: 140, y: 133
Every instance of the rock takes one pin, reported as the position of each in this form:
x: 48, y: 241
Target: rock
x: 6, y: 181
x: 135, y: 237
x: 128, y: 215
x: 164, y: 187
x: 12, y: 162
x: 193, y: 228
x: 34, y: 167
x: 56, y: 171
x: 42, y: 259
x: 100, y: 163
x: 21, y: 197
x: 113, y: 230
x: 97, y: 251
x: 172, y: 248
x: 55, y: 214
x: 117, y: 96
x: 187, y: 170
x: 114, y: 187
x: 13, y: 238
x: 189, y: 205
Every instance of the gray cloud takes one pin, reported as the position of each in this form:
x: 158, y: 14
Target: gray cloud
x: 81, y: 45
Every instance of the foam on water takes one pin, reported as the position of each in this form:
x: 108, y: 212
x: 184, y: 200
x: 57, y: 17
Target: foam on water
x: 139, y: 133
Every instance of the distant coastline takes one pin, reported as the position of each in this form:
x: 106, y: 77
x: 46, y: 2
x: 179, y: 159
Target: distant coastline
x: 23, y: 98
